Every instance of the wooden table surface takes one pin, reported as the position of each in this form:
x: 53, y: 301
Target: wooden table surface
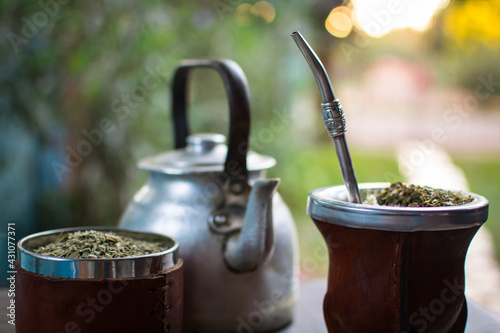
x: 309, y: 315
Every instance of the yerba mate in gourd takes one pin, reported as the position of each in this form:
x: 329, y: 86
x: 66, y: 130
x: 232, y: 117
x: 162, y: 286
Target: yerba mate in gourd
x: 386, y: 262
x: 399, y: 194
x: 393, y: 258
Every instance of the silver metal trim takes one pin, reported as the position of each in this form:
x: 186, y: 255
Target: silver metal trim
x: 131, y: 267
x: 329, y: 204
x: 333, y: 118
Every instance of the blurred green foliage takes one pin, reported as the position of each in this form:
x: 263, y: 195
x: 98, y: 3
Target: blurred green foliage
x: 484, y: 179
x: 67, y: 66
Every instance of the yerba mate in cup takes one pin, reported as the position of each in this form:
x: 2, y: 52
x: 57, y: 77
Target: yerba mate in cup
x: 395, y: 269
x: 97, y: 279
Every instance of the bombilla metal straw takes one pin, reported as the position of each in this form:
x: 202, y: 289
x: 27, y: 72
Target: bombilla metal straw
x: 322, y: 79
x: 333, y: 117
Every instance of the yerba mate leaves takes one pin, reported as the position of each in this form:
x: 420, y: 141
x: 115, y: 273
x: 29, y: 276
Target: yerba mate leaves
x: 403, y: 195
x: 93, y: 244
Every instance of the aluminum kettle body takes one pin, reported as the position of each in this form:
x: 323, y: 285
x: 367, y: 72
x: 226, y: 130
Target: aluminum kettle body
x: 216, y: 298
x: 236, y: 236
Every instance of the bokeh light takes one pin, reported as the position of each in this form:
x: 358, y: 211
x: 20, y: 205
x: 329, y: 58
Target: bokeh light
x: 265, y: 10
x: 247, y: 14
x: 378, y: 17
x: 243, y: 15
x: 339, y: 22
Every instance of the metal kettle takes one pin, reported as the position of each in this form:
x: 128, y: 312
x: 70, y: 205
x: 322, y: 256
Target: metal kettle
x: 236, y: 235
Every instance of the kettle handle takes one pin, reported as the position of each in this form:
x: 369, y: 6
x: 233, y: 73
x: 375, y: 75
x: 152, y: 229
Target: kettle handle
x: 235, y: 82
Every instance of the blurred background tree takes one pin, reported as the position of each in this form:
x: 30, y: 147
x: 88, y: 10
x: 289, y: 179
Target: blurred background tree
x: 68, y: 66
x: 85, y: 94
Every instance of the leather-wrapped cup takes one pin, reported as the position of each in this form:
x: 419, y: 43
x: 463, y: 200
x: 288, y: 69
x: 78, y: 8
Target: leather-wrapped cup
x: 394, y: 269
x: 133, y: 294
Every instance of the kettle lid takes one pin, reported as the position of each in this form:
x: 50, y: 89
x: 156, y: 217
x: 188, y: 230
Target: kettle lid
x: 204, y: 153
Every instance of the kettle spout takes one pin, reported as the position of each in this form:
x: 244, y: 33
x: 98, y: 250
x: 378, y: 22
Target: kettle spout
x: 248, y: 249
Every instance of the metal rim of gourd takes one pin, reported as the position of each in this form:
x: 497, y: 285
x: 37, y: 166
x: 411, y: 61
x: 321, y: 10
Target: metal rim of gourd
x: 329, y: 204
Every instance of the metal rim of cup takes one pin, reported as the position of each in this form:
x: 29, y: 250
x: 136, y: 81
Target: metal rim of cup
x: 96, y: 268
x: 329, y: 204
